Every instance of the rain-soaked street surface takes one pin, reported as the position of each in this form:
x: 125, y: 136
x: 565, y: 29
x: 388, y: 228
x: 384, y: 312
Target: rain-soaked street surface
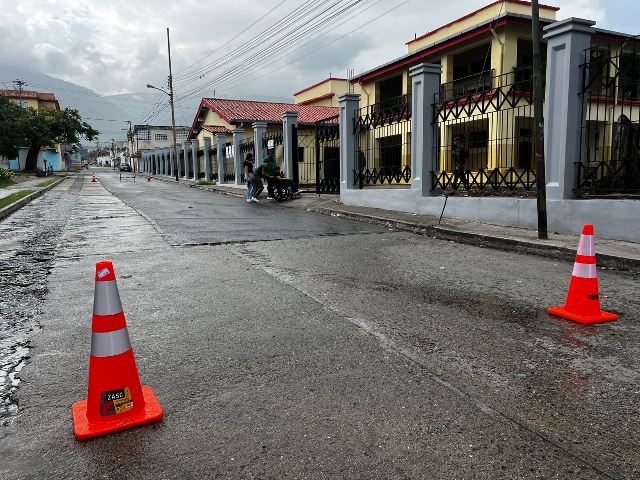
x: 285, y: 344
x: 28, y: 240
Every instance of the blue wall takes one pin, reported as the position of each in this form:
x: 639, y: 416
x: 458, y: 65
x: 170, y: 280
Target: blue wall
x: 53, y: 159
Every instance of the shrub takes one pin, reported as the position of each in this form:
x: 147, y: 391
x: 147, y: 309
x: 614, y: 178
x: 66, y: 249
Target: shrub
x: 5, y: 175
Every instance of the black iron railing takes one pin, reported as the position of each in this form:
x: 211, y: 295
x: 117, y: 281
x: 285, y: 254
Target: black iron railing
x: 470, y: 85
x: 383, y: 143
x: 483, y: 141
x: 609, y: 162
x: 247, y: 146
x: 272, y: 139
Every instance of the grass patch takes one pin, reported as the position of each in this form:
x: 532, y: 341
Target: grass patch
x: 206, y: 182
x: 5, y: 182
x: 14, y: 197
x: 48, y: 182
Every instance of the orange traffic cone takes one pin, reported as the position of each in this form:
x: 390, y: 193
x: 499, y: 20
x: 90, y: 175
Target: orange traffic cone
x: 583, y: 301
x: 93, y: 178
x: 148, y: 178
x: 116, y: 401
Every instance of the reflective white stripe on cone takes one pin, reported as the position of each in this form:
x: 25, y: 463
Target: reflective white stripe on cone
x: 109, y: 344
x: 585, y: 270
x: 587, y: 246
x: 106, y: 299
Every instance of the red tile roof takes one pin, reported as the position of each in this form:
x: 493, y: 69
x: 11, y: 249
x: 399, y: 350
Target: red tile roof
x: 215, y: 129
x: 248, y: 111
x: 242, y: 111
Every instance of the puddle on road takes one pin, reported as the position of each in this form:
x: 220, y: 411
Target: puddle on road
x: 24, y: 267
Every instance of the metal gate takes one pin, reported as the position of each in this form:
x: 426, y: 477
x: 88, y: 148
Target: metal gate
x: 304, y: 157
x: 316, y: 156
x: 327, y: 153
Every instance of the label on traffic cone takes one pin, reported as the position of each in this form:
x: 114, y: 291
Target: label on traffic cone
x: 115, y: 401
x: 583, y: 300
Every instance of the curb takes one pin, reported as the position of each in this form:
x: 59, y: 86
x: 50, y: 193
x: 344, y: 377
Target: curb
x: 18, y: 204
x: 446, y: 233
x: 481, y: 240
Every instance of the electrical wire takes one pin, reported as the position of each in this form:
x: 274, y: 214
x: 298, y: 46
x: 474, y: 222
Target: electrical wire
x: 298, y: 15
x: 234, y: 38
x: 276, y: 46
x: 227, y: 78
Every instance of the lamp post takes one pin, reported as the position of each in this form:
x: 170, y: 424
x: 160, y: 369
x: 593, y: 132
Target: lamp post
x: 173, y: 115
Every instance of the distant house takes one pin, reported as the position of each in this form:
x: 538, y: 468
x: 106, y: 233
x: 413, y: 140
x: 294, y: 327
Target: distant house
x: 49, y: 158
x: 218, y: 115
x: 324, y: 93
x: 151, y: 137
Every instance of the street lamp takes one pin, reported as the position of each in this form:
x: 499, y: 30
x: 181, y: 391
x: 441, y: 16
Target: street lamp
x: 173, y: 114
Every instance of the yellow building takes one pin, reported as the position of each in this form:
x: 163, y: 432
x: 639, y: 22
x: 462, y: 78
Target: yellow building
x: 324, y: 93
x: 35, y: 100
x: 484, y: 102
x: 483, y: 112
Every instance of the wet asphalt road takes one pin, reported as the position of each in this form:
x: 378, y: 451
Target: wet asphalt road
x: 285, y: 344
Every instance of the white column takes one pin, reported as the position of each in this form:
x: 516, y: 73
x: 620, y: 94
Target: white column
x: 348, y: 105
x: 425, y: 81
x: 221, y: 138
x: 259, y: 131
x: 238, y: 133
x: 567, y: 41
x: 288, y: 120
x: 195, y: 146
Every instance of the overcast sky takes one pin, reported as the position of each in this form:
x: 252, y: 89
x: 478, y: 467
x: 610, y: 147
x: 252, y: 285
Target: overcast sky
x: 118, y: 46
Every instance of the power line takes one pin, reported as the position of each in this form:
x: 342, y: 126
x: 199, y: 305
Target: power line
x: 279, y: 45
x: 235, y: 37
x: 255, y: 60
x: 296, y: 16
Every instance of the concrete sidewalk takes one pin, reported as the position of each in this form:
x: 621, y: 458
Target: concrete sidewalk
x: 27, y: 185
x: 612, y: 254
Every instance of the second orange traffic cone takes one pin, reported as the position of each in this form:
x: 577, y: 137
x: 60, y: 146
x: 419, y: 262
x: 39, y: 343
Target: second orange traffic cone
x: 583, y: 299
x: 116, y: 401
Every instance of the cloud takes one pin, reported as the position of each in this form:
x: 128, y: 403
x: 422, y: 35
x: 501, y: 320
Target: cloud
x: 119, y: 46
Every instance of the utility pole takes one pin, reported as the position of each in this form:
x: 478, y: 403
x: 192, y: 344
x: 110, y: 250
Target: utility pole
x: 538, y: 122
x: 113, y: 153
x: 173, y: 114
x: 130, y: 146
x: 19, y: 84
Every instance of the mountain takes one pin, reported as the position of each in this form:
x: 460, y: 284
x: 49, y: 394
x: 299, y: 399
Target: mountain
x: 107, y: 114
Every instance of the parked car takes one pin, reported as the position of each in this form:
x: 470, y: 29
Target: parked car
x: 125, y: 167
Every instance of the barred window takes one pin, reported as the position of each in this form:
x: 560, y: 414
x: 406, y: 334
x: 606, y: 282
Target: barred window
x: 160, y: 136
x: 144, y: 135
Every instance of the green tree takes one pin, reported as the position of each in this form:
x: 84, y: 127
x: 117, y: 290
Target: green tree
x: 35, y: 129
x: 10, y: 135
